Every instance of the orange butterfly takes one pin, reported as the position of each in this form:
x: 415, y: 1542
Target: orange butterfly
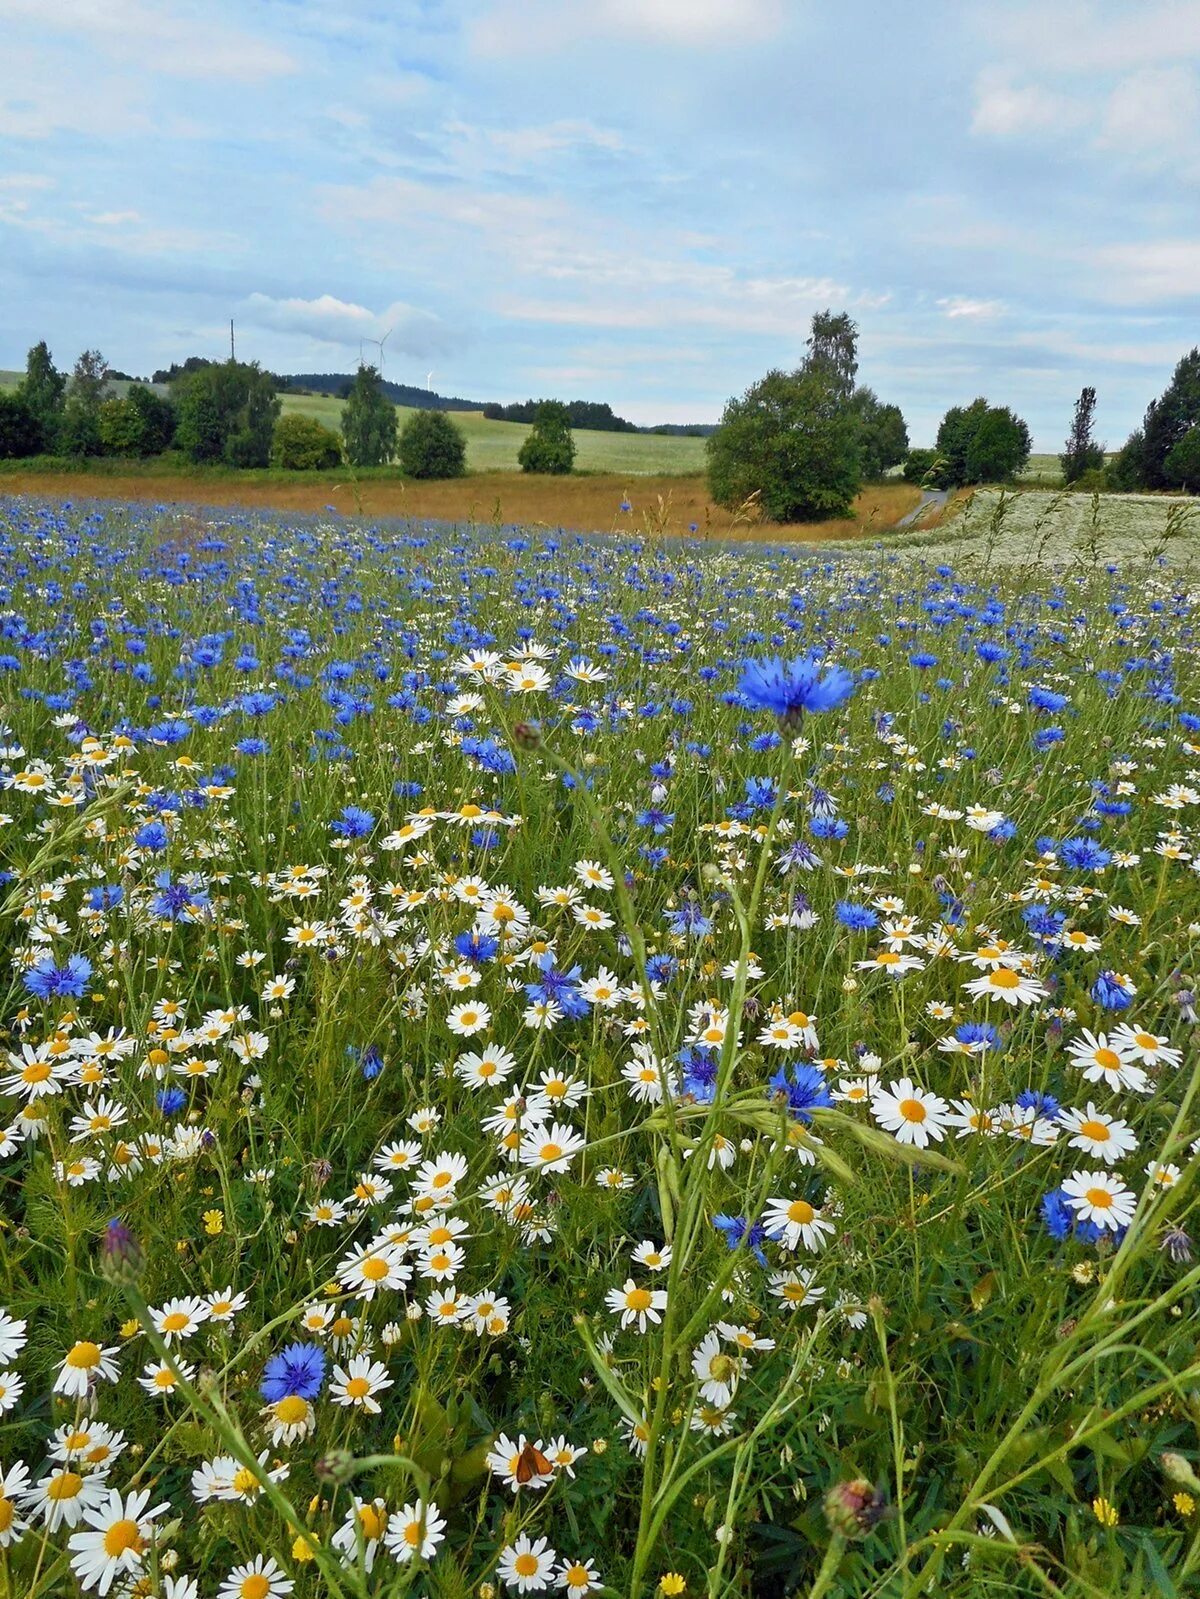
x: 531, y: 1462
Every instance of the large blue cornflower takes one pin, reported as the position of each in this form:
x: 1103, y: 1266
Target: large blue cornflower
x: 805, y: 1090
x: 558, y: 988
x: 1112, y: 992
x: 789, y: 688
x: 299, y: 1369
x: 1084, y: 854
x: 354, y: 822
x: 48, y: 981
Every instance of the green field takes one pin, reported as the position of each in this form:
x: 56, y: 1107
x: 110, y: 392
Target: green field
x: 493, y: 446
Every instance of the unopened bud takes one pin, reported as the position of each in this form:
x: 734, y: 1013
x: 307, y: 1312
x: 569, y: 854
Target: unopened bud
x: 854, y: 1508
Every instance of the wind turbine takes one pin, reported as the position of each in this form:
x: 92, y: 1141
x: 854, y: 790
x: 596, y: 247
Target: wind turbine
x: 429, y: 379
x: 380, y: 342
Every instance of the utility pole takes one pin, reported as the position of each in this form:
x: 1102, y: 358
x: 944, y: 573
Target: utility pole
x: 232, y: 357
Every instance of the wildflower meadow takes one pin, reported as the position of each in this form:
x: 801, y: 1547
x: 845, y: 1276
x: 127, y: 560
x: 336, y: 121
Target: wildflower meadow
x: 549, y: 1064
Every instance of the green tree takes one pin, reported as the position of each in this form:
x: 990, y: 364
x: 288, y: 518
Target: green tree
x: 1167, y: 420
x: 431, y: 446
x: 833, y: 351
x: 20, y: 431
x: 302, y: 444
x: 79, y: 428
x: 369, y: 421
x: 120, y: 428
x: 141, y: 424
x: 42, y: 390
x: 551, y: 446
x: 882, y: 434
x: 227, y: 414
x: 980, y: 443
x: 1125, y: 471
x: 1182, y: 465
x: 1082, y: 453
x: 791, y: 442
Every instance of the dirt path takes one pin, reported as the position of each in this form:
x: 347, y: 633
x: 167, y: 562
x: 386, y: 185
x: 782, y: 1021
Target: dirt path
x: 929, y: 498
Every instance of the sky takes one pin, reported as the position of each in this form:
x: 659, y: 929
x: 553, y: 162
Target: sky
x: 638, y: 201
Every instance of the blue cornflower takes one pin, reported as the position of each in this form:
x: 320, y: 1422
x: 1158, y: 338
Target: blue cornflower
x: 558, y: 988
x: 152, y: 836
x: 736, y: 1228
x: 689, y: 918
x: 477, y: 947
x: 176, y: 899
x: 170, y: 1100
x: 1084, y: 854
x: 354, y: 822
x: 1111, y: 991
x: 699, y: 1073
x: 1057, y: 1214
x: 299, y: 1369
x: 805, y: 1090
x: 48, y: 981
x: 789, y: 688
x: 979, y: 1035
x: 859, y: 918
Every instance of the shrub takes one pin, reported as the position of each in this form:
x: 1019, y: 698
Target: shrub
x: 431, y: 446
x: 550, y: 447
x: 302, y: 444
x: 1093, y: 480
x: 120, y: 428
x: 791, y: 441
x: 919, y: 467
x: 20, y: 434
x: 882, y: 434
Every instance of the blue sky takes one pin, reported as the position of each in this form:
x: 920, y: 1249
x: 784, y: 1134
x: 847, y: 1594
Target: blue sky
x: 641, y: 201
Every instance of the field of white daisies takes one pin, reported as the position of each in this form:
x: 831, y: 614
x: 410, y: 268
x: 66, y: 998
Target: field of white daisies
x: 536, y: 1064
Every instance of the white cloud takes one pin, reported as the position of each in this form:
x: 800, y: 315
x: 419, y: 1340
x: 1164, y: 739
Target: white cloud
x: 1154, y: 111
x: 328, y: 320
x: 958, y: 305
x: 1083, y: 38
x: 1150, y: 273
x: 517, y: 27
x: 182, y: 40
x: 1004, y: 108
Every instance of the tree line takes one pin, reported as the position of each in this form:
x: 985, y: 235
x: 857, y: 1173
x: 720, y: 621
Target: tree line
x: 227, y: 413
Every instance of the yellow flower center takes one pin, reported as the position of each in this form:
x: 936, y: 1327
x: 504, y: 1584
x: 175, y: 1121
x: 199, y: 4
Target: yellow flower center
x: 122, y: 1535
x: 244, y: 1481
x: 526, y: 1565
x: 291, y: 1409
x: 84, y: 1356
x: 1005, y: 978
x: 1099, y: 1198
x: 912, y: 1110
x: 1093, y: 1129
x: 375, y: 1269
x: 175, y: 1322
x: 800, y: 1211
x: 372, y: 1521
x: 65, y: 1486
x: 638, y: 1299
x: 1108, y: 1058
x: 551, y: 1151
x: 358, y: 1388
x: 36, y: 1072
x: 255, y: 1586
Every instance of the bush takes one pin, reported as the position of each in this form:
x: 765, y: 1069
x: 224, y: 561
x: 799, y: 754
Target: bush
x: 919, y: 467
x: 550, y: 447
x: 20, y: 432
x: 791, y: 442
x: 302, y: 444
x: 431, y: 446
x: 1093, y: 481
